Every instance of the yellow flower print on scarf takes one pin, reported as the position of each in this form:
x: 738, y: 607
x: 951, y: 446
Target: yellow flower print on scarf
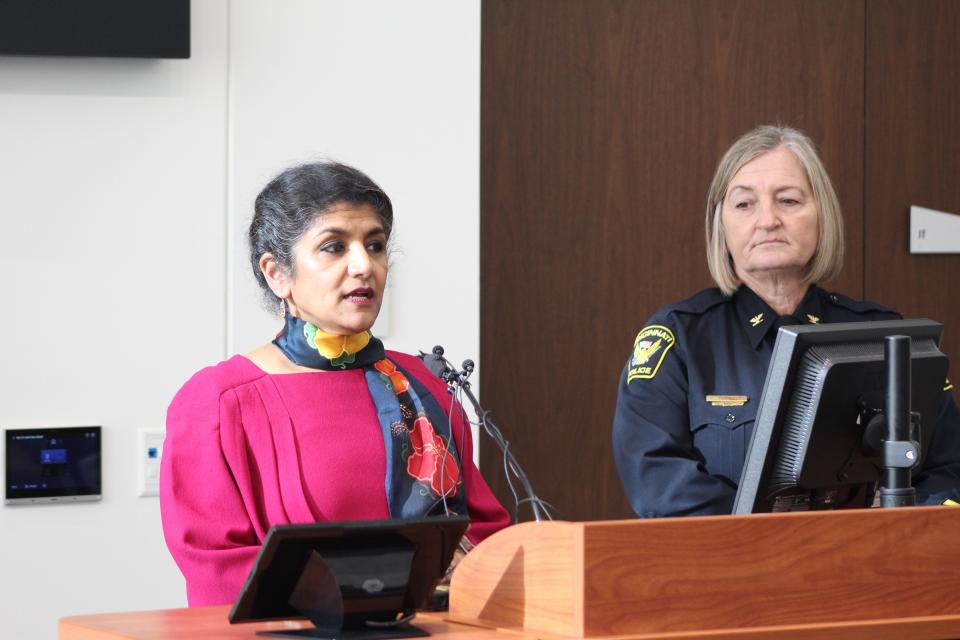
x: 340, y: 350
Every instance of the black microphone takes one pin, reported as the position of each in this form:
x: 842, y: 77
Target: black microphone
x: 436, y: 363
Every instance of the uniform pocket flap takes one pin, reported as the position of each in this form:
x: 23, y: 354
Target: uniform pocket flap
x: 729, y: 417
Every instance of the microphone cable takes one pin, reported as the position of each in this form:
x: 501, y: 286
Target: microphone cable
x: 459, y: 386
x: 459, y: 444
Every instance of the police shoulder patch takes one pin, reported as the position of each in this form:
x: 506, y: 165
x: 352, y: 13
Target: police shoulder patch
x: 649, y: 350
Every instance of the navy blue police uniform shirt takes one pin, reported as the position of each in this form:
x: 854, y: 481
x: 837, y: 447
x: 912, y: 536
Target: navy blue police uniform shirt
x: 690, y: 390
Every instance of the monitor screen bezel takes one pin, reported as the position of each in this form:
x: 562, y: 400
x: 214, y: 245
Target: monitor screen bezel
x: 790, y: 345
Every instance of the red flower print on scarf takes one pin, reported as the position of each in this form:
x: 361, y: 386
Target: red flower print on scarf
x: 397, y: 380
x: 428, y: 452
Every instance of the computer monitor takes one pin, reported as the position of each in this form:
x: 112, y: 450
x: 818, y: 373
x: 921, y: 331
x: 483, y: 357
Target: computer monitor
x: 352, y: 579
x: 811, y: 446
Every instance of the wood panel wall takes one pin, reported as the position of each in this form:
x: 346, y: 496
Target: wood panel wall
x: 913, y: 155
x: 601, y: 124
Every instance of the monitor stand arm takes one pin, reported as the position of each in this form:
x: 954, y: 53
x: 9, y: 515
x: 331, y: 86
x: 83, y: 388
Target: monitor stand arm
x: 900, y: 451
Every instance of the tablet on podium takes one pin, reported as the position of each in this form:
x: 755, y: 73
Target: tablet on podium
x: 361, y: 579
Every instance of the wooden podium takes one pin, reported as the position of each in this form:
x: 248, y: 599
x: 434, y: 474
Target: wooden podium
x: 877, y: 574
x: 870, y: 573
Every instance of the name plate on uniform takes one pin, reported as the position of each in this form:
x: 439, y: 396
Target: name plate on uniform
x: 727, y: 401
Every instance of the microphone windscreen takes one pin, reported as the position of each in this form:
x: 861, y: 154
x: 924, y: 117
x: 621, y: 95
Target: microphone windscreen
x: 434, y: 364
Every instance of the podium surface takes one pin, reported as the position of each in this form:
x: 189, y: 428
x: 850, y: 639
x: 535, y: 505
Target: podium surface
x: 210, y: 623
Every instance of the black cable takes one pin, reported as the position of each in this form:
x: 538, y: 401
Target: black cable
x: 460, y: 445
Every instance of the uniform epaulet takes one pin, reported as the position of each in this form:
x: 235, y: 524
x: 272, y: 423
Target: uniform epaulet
x: 858, y: 306
x: 699, y: 303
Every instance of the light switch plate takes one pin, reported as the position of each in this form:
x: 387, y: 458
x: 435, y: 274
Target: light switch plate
x: 149, y: 453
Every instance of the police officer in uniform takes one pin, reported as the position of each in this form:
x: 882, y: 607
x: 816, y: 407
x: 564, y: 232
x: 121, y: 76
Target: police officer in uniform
x: 689, y: 392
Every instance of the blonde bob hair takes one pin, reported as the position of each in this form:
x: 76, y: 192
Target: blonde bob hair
x: 827, y: 260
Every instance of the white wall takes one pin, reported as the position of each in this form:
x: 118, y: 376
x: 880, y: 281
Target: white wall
x: 394, y: 89
x: 125, y: 187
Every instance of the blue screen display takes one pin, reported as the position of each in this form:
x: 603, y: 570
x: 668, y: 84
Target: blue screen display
x: 53, y: 456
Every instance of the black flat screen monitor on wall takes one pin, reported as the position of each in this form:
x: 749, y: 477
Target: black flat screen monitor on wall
x: 96, y: 28
x: 58, y: 464
x: 811, y: 448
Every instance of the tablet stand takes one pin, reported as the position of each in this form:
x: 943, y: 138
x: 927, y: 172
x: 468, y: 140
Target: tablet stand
x: 318, y: 596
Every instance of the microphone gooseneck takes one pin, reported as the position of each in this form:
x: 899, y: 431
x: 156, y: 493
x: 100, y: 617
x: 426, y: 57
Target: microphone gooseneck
x: 457, y: 381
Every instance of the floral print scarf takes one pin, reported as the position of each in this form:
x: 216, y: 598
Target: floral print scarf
x: 423, y: 469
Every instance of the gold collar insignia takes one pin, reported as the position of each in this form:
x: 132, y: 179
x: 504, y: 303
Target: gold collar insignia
x: 756, y: 320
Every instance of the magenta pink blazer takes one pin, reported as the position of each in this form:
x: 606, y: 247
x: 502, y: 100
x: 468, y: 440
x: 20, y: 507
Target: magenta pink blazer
x: 246, y: 450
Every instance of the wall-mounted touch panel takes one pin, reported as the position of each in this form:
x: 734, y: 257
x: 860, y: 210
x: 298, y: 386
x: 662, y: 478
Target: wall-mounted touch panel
x: 52, y: 465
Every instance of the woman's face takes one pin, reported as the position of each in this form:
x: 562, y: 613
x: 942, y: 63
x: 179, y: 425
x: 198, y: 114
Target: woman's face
x: 770, y: 218
x: 340, y: 270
